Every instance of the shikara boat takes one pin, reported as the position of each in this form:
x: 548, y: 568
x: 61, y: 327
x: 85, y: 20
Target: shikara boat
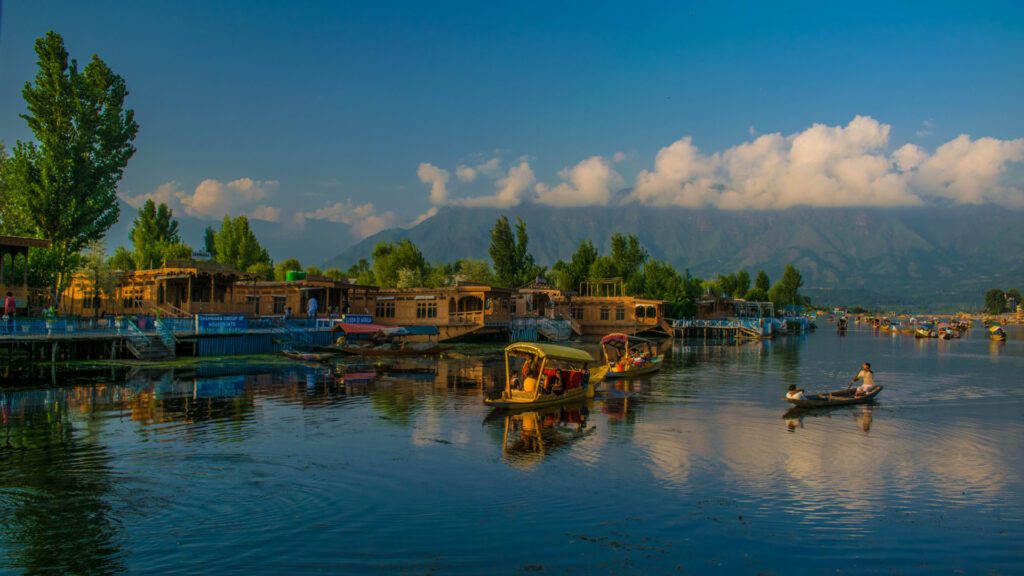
x: 843, y: 397
x: 308, y: 356
x: 629, y: 356
x: 544, y: 375
x: 997, y: 333
x: 375, y: 340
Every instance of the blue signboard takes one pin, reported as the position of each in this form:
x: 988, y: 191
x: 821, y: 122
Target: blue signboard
x: 357, y: 319
x: 217, y: 324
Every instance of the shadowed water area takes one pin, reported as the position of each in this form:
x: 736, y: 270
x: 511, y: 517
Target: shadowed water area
x: 399, y: 468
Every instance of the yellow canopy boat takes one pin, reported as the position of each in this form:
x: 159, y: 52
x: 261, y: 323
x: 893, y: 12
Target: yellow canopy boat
x: 545, y: 374
x: 996, y: 333
x: 629, y: 356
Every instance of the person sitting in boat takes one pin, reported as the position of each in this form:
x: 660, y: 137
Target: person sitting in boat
x: 529, y: 374
x: 867, y: 378
x: 794, y: 393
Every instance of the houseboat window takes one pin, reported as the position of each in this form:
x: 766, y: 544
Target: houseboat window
x: 620, y: 313
x: 279, y: 304
x: 385, y: 310
x: 426, y: 309
x: 604, y: 313
x: 652, y: 312
x: 576, y: 311
x: 640, y: 312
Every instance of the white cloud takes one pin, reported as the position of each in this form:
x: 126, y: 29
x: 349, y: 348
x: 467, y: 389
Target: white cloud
x: 509, y: 192
x: 438, y: 180
x: 491, y: 169
x: 213, y: 199
x: 588, y: 183
x: 681, y: 177
x: 363, y: 219
x: 267, y: 213
x: 165, y: 193
x: 971, y: 171
x: 419, y: 219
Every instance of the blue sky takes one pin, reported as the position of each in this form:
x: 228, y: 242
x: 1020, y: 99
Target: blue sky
x: 312, y: 110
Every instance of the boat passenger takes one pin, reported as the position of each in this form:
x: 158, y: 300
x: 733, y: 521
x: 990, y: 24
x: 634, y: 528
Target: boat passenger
x: 794, y: 393
x: 867, y: 378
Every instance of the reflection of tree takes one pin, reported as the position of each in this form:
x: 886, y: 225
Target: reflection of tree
x: 397, y: 404
x: 55, y: 516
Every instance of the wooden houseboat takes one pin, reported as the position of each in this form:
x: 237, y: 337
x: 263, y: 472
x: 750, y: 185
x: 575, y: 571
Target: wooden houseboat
x: 272, y: 297
x: 603, y: 307
x: 457, y: 311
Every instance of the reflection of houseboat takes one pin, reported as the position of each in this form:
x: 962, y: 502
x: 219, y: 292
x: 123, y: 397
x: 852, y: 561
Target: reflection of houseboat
x: 545, y: 374
x: 457, y: 311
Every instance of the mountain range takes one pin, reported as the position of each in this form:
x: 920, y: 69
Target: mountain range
x: 898, y: 258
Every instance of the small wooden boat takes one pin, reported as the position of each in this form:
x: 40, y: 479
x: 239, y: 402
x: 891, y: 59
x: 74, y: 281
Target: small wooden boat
x: 843, y: 397
x: 308, y: 356
x: 629, y: 356
x: 996, y: 333
x: 407, y: 349
x: 544, y: 375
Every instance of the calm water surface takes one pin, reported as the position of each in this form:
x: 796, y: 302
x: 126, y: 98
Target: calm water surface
x: 400, y: 469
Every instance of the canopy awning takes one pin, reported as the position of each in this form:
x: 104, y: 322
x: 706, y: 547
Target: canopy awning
x: 348, y: 328
x: 553, y: 351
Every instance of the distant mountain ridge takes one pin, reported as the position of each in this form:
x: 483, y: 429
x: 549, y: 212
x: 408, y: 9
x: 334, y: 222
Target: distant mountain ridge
x: 902, y: 258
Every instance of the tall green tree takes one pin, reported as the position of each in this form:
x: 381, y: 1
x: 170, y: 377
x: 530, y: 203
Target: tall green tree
x: 389, y: 258
x: 995, y: 301
x: 570, y: 275
x: 63, y: 185
x: 210, y: 241
x: 742, y: 284
x: 153, y: 232
x: 761, y: 282
x: 99, y: 272
x: 361, y: 272
x: 237, y: 245
x: 787, y: 290
x: 514, y: 266
x: 122, y: 259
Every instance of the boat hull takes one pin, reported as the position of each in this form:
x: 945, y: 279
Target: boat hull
x: 652, y: 367
x: 838, y: 398
x: 542, y: 400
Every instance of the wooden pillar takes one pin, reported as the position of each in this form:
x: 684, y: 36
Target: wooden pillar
x: 25, y: 278
x: 2, y: 266
x: 188, y: 294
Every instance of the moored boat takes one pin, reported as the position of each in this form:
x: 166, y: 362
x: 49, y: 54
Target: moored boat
x: 843, y: 397
x: 376, y: 340
x: 545, y: 374
x: 308, y: 356
x: 629, y: 356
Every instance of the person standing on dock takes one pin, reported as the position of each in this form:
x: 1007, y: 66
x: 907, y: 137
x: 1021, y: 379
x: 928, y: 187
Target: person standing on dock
x: 10, y: 307
x: 311, y: 308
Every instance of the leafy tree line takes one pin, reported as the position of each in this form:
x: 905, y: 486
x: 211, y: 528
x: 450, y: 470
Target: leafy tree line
x: 998, y: 302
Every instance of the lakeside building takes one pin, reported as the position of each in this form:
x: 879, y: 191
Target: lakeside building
x: 603, y: 307
x: 11, y: 247
x: 180, y: 288
x: 457, y: 311
x: 334, y: 297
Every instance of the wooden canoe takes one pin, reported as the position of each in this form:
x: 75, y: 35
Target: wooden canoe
x: 308, y: 356
x: 843, y: 397
x: 407, y: 351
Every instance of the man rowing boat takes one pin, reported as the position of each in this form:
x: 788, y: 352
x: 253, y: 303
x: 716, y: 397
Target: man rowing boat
x: 867, y: 378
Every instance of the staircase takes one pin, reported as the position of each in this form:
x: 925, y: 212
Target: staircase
x: 145, y: 348
x: 554, y: 330
x: 291, y: 336
x: 574, y: 324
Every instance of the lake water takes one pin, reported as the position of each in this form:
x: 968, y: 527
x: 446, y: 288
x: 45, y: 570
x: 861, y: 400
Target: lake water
x: 399, y: 469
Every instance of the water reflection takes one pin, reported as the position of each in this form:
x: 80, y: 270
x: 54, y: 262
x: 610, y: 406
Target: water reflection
x: 532, y: 435
x: 55, y: 485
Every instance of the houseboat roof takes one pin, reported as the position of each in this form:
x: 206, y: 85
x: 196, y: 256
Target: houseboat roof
x: 23, y: 242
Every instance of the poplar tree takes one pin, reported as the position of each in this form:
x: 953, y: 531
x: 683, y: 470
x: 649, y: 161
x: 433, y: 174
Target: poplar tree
x: 238, y: 247
x: 63, y: 185
x: 153, y: 233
